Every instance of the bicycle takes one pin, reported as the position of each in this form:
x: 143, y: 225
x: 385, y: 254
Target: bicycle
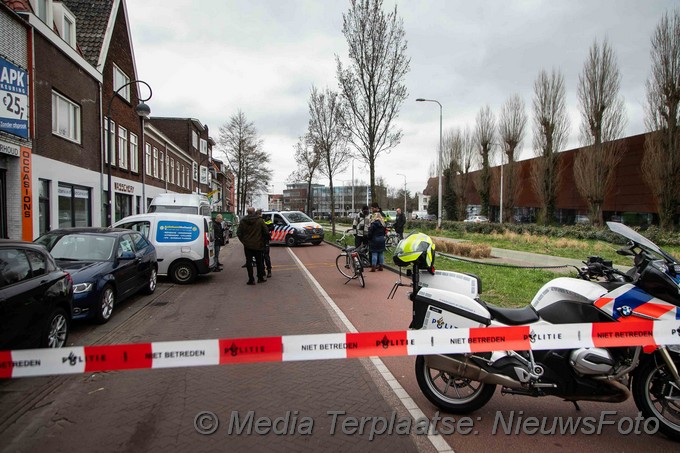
x: 347, y: 235
x: 351, y: 262
x: 391, y: 240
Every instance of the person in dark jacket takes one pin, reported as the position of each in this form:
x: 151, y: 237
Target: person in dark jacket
x: 376, y: 242
x: 218, y: 234
x: 253, y: 234
x: 399, y: 224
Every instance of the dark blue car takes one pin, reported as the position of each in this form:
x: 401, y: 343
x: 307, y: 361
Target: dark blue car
x: 107, y: 265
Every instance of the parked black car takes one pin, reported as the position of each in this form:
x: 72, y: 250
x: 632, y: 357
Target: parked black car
x: 107, y: 266
x: 35, y: 297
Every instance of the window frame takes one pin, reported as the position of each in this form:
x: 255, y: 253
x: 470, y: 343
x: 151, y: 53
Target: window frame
x: 123, y: 156
x: 74, y: 115
x: 120, y: 74
x: 134, y: 153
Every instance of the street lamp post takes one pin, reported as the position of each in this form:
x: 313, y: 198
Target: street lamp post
x: 439, y: 204
x: 401, y: 174
x: 143, y: 111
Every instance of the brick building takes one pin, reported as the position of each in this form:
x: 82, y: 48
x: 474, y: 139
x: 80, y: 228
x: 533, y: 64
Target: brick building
x: 62, y: 163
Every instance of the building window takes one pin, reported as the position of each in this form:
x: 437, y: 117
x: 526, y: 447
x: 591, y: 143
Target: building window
x: 195, y: 168
x: 122, y: 147
x: 161, y: 166
x: 74, y: 206
x: 194, y: 139
x: 44, y: 224
x: 123, y: 206
x: 187, y: 178
x: 171, y: 175
x: 121, y: 79
x: 179, y: 175
x: 204, y: 147
x: 69, y: 33
x: 43, y: 10
x: 134, y: 153
x: 110, y: 138
x: 65, y: 118
x: 147, y: 159
x: 167, y: 167
x: 155, y: 162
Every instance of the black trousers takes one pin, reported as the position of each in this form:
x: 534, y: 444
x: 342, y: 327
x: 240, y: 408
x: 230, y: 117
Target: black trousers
x: 259, y: 262
x: 267, y: 259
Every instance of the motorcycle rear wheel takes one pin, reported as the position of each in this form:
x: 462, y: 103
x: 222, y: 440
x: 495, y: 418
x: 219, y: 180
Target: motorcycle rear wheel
x: 651, y: 382
x: 450, y: 393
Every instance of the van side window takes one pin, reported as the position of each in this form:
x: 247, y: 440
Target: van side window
x: 205, y: 211
x: 143, y: 227
x: 267, y: 217
x: 278, y: 220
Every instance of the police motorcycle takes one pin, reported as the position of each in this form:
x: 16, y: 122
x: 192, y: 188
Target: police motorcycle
x: 462, y: 383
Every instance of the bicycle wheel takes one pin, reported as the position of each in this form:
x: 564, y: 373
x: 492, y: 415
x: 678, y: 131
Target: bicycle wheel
x: 342, y: 262
x: 360, y: 276
x: 389, y: 244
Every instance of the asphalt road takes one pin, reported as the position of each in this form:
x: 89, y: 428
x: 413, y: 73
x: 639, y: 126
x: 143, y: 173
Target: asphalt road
x: 155, y: 410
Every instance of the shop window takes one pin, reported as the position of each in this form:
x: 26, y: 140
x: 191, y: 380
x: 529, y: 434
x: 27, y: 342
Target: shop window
x: 74, y: 206
x: 44, y: 224
x: 123, y: 206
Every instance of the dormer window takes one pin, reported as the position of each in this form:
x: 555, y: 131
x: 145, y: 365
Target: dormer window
x: 43, y: 9
x: 65, y: 22
x: 121, y: 79
x: 69, y: 30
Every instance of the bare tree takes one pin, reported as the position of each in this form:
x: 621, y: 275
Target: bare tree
x: 603, y: 119
x: 308, y: 159
x: 511, y: 126
x: 373, y: 82
x: 661, y: 165
x: 241, y: 146
x: 460, y: 157
x: 485, y: 135
x: 551, y: 126
x: 327, y: 134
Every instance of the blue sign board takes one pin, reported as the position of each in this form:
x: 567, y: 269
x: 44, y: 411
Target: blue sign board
x: 176, y: 231
x: 13, y: 99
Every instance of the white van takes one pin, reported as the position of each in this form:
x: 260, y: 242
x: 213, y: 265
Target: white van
x: 181, y: 203
x: 292, y: 228
x: 184, y: 242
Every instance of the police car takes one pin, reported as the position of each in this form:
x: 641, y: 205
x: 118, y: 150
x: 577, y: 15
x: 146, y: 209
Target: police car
x: 292, y: 228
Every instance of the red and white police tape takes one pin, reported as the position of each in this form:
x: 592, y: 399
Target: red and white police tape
x: 169, y: 354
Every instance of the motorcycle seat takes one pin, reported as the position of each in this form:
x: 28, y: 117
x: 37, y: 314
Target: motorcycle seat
x: 513, y: 316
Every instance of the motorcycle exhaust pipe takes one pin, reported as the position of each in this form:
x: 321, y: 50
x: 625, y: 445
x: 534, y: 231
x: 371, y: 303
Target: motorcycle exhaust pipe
x: 461, y: 366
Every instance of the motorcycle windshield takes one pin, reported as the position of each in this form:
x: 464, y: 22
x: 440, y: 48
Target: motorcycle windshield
x: 640, y: 240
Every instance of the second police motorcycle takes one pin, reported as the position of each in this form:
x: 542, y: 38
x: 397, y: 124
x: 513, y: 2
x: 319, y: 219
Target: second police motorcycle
x: 464, y: 382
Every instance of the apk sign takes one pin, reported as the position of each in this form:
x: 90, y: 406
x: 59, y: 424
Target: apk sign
x: 13, y: 99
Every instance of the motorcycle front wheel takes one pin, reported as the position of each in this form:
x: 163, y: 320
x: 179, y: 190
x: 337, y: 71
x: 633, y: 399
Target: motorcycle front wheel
x: 657, y: 397
x: 449, y: 392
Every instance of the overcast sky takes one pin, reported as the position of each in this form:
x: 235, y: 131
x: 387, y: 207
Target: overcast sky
x: 210, y: 58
